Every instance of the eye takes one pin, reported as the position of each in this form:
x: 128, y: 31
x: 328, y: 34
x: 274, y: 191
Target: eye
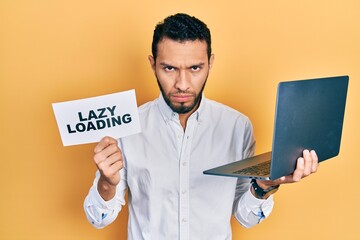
x: 195, y: 68
x: 169, y: 68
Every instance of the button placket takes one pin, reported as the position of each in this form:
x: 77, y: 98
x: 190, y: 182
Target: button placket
x: 184, y: 181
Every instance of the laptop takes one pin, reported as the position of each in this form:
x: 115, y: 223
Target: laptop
x: 309, y: 115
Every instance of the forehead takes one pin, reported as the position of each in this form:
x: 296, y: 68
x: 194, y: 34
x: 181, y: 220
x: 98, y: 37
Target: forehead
x: 170, y: 50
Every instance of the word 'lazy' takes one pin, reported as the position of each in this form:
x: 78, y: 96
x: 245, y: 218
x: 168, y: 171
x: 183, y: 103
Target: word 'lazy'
x: 99, y: 119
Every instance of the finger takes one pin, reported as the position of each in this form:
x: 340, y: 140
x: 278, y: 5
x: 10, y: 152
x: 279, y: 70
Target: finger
x: 104, y: 142
x: 299, y: 171
x: 269, y: 183
x: 112, y: 164
x: 315, y: 163
x: 106, y: 152
x: 118, y: 165
x: 114, y: 158
x: 308, y: 161
x: 287, y: 179
x: 112, y: 173
x: 279, y: 181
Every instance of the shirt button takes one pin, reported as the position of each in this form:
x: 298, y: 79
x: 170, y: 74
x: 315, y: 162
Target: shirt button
x: 184, y: 192
x: 184, y: 220
x: 184, y: 164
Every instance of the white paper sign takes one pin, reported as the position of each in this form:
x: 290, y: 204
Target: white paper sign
x: 90, y: 119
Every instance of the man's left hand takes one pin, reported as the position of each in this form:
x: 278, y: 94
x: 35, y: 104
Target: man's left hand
x: 306, y: 165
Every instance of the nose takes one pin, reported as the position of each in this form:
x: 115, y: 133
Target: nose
x: 182, y: 82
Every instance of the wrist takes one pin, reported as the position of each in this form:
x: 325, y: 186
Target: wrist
x: 263, y: 184
x: 105, y: 189
x: 262, y: 191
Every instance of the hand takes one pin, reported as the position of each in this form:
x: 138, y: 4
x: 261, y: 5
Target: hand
x: 306, y: 165
x: 108, y: 159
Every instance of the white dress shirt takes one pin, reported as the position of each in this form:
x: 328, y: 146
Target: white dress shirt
x: 169, y: 196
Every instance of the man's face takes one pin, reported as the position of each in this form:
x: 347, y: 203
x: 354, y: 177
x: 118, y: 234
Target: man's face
x: 181, y: 69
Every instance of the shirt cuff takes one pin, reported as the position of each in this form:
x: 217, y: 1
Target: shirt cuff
x: 260, y: 207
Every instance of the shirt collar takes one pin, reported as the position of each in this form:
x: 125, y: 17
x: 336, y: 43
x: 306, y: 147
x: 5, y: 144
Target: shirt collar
x: 168, y: 114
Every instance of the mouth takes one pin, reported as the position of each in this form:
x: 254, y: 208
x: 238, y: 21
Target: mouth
x: 181, y: 98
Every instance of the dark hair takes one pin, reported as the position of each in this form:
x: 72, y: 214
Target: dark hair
x: 181, y: 27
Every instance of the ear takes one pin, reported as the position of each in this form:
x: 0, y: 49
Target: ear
x: 211, y: 60
x: 152, y: 62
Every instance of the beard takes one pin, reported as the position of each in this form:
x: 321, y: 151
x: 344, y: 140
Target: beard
x: 182, y: 108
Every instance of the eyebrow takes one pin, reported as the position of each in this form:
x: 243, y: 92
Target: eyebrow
x: 198, y: 65
x: 165, y: 64
x: 193, y: 65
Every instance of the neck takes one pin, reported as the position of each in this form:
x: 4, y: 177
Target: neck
x: 183, y: 120
x: 183, y: 117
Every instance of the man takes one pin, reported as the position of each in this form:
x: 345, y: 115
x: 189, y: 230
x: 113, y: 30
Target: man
x: 183, y: 133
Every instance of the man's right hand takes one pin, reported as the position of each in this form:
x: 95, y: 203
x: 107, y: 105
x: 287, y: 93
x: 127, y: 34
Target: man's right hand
x: 108, y: 159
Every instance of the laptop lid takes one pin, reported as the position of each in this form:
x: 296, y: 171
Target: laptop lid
x: 309, y: 115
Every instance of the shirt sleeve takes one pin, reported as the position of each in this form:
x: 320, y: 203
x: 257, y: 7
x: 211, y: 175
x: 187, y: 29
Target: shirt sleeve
x: 247, y: 209
x: 99, y: 212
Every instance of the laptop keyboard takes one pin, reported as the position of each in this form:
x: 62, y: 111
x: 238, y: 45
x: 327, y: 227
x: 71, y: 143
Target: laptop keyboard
x: 258, y: 169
